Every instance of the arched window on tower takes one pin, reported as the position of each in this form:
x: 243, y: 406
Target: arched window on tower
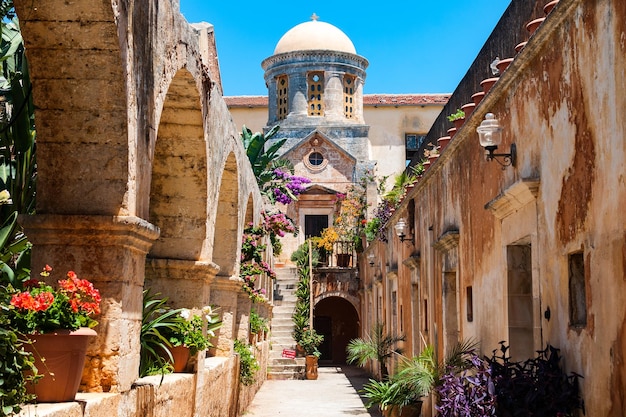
x: 282, y: 97
x: 348, y: 95
x: 315, y: 81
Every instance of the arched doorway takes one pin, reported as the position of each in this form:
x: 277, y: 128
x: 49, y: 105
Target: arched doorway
x: 336, y: 319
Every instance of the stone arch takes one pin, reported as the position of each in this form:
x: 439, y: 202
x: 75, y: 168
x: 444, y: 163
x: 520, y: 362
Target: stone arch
x: 337, y: 318
x: 354, y: 300
x: 226, y: 246
x: 178, y: 190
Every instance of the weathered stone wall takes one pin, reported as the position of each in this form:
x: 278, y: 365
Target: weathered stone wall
x: 212, y: 391
x: 478, y: 227
x: 142, y: 182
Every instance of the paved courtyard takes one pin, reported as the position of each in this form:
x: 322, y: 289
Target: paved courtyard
x: 333, y: 394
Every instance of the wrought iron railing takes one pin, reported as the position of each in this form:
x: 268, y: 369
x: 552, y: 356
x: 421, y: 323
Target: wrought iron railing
x: 343, y: 255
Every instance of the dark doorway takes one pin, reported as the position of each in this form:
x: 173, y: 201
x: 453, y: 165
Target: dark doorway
x: 314, y: 224
x: 338, y: 321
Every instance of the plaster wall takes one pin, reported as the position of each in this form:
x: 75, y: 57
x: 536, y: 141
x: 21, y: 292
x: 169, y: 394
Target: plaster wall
x: 388, y: 125
x: 558, y: 102
x: 254, y: 118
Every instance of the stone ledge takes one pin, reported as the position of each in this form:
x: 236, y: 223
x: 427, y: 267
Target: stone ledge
x: 108, y: 404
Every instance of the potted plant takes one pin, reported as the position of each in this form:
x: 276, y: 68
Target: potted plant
x: 457, y: 118
x: 258, y: 325
x: 302, y: 310
x: 310, y: 341
x: 57, y: 324
x: 186, y: 337
x: 248, y: 365
x: 376, y: 346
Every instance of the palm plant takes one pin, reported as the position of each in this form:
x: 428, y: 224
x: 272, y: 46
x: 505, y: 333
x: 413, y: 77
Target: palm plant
x: 376, y: 346
x: 18, y: 170
x: 254, y: 144
x: 420, y: 374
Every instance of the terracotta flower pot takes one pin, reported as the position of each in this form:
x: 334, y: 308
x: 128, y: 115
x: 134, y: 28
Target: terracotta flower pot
x: 478, y: 97
x: 548, y: 7
x: 520, y: 46
x: 452, y: 132
x: 311, y: 366
x: 486, y: 84
x: 468, y: 109
x: 458, y: 123
x: 181, y: 356
x: 532, y: 26
x: 64, y: 352
x: 443, y: 142
x: 343, y: 259
x: 504, y: 64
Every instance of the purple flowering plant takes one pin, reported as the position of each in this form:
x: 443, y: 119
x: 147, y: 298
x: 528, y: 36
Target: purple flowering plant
x: 284, y: 187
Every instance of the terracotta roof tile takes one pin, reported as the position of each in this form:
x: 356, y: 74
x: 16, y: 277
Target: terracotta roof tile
x: 246, y: 101
x: 368, y: 100
x: 404, y: 99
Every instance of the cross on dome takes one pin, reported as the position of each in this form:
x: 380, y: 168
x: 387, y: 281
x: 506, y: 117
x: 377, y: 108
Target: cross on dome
x: 314, y: 17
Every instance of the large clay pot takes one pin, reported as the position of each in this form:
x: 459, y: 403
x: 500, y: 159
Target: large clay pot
x: 486, y: 84
x: 443, y: 142
x: 411, y: 410
x: 478, y: 97
x: 468, y: 109
x: 548, y: 7
x: 504, y: 64
x: 311, y: 366
x: 64, y: 352
x: 532, y: 26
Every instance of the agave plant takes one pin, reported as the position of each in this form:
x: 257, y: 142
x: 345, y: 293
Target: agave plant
x: 377, y: 346
x: 157, y: 320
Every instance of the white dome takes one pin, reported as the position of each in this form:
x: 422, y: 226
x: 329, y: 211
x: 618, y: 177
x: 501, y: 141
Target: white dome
x: 314, y: 35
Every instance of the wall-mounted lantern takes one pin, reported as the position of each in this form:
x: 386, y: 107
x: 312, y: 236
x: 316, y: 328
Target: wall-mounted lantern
x: 401, y: 229
x: 370, y: 258
x: 490, y: 136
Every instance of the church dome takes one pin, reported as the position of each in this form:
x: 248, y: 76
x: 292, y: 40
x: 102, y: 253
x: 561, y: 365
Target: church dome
x: 314, y: 35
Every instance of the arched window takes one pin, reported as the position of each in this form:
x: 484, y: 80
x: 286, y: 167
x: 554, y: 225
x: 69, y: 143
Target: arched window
x: 282, y: 97
x: 348, y: 95
x: 315, y: 81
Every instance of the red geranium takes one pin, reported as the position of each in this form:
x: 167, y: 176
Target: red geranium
x: 41, y: 308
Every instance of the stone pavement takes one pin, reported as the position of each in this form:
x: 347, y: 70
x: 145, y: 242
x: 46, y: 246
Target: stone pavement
x: 333, y: 394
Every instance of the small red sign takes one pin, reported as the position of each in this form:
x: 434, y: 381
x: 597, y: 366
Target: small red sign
x: 289, y: 353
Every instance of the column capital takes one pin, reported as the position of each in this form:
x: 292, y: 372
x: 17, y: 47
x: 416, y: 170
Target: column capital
x: 55, y: 229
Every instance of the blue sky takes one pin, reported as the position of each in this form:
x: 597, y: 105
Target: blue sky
x: 420, y: 46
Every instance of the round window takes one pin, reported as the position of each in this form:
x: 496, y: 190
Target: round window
x: 316, y: 158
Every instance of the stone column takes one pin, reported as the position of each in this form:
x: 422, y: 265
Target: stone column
x: 271, y: 104
x: 297, y: 95
x: 225, y: 294
x: 333, y: 97
x: 358, y: 100
x: 186, y: 284
x: 110, y: 252
x: 242, y: 327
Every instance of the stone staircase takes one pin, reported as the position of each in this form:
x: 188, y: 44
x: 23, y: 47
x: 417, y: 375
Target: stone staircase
x: 282, y: 329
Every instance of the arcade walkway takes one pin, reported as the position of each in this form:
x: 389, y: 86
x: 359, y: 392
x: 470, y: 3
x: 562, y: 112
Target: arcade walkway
x: 333, y: 394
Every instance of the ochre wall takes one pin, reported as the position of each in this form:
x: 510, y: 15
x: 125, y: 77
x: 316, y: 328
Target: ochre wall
x: 559, y: 104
